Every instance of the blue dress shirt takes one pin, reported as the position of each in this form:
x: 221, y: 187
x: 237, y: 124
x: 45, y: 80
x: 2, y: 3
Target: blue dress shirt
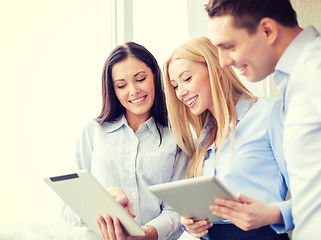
x: 255, y: 166
x: 298, y: 77
x: 119, y: 157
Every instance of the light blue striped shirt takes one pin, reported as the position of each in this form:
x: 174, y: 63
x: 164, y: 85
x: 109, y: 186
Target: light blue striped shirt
x: 118, y: 156
x: 256, y: 166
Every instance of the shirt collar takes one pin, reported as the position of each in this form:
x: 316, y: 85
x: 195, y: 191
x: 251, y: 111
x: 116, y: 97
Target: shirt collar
x: 290, y: 55
x: 114, y: 126
x: 150, y: 123
x: 242, y: 107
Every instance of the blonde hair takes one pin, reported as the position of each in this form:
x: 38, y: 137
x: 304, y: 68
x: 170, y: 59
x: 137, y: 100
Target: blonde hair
x: 226, y: 90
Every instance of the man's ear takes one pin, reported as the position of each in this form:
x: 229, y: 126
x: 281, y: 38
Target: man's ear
x: 270, y: 30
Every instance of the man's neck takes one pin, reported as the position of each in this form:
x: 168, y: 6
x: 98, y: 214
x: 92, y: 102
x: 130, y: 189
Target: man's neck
x: 285, y: 37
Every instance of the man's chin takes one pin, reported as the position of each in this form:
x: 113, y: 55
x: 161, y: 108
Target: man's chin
x: 254, y: 78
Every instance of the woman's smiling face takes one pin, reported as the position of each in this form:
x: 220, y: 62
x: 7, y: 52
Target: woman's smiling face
x: 134, y: 87
x: 191, y: 82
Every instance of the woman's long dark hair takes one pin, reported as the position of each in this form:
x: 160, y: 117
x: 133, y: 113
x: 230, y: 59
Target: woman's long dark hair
x: 112, y: 109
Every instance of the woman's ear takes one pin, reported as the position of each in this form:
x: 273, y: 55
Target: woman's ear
x: 270, y: 30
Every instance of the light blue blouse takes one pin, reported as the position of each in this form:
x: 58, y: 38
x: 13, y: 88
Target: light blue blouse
x: 118, y: 156
x: 255, y: 167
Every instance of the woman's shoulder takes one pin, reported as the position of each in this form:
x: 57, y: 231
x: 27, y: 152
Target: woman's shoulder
x: 270, y: 110
x: 89, y: 127
x: 269, y: 103
x: 93, y: 125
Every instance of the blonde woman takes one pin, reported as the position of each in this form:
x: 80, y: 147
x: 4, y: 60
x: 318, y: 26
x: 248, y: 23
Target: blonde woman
x: 239, y: 139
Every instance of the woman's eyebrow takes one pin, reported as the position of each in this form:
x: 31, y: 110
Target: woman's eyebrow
x: 186, y: 71
x: 135, y: 75
x: 139, y: 73
x: 119, y: 80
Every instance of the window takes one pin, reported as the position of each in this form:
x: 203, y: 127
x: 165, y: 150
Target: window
x: 52, y: 58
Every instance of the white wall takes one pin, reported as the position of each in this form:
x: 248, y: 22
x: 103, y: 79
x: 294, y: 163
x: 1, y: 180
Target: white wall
x: 198, y: 20
x: 308, y: 12
x: 51, y: 58
x: 160, y: 26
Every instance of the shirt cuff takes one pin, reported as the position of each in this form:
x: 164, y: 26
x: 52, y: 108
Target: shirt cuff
x: 167, y: 225
x: 286, y: 212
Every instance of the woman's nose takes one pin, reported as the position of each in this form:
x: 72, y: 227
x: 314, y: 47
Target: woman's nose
x: 134, y: 89
x: 181, y: 92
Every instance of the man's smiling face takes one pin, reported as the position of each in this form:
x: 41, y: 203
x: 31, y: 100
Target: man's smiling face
x: 250, y: 54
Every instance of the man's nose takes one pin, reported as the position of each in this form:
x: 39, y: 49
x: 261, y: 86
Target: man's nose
x: 225, y: 60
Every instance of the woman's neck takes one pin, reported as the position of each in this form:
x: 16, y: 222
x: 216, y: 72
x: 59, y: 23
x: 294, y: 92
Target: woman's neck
x: 134, y: 121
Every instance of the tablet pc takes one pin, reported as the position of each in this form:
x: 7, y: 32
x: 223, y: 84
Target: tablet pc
x: 192, y: 197
x: 88, y: 198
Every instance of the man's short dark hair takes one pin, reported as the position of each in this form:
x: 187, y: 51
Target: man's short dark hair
x: 248, y: 13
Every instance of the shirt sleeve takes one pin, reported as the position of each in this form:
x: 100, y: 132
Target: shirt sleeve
x: 313, y: 80
x: 276, y: 141
x: 180, y: 166
x: 285, y: 209
x: 82, y: 161
x: 167, y: 223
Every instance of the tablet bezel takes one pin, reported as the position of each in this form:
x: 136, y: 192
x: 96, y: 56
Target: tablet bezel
x: 88, y: 198
x: 192, y: 197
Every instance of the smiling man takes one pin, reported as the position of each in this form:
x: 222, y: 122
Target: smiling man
x: 260, y: 37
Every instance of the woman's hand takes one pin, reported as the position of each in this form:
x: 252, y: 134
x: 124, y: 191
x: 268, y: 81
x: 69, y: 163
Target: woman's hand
x: 112, y: 230
x: 196, y: 228
x: 121, y: 197
x: 247, y: 214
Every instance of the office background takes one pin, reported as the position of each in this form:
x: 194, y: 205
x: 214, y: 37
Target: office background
x: 51, y: 58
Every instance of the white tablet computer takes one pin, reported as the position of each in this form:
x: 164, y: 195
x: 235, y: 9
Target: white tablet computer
x: 88, y: 198
x: 192, y: 197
